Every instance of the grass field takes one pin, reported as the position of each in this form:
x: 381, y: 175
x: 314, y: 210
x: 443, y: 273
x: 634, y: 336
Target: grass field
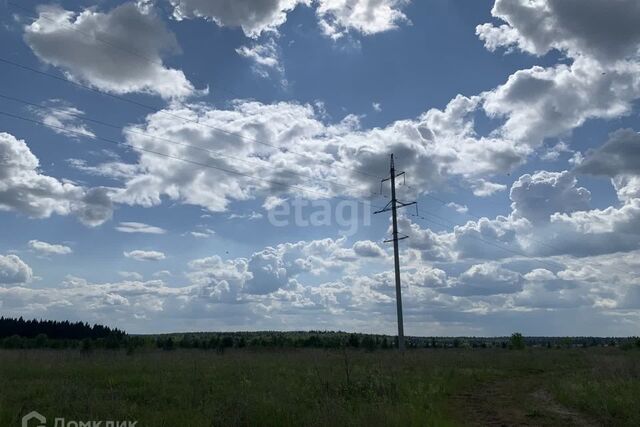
x: 311, y: 387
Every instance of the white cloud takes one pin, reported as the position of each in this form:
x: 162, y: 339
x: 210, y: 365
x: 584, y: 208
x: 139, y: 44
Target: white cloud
x: 119, y: 51
x: 48, y: 248
x: 14, y: 271
x: 140, y: 255
x: 254, y: 16
x: 202, y: 233
x: 24, y: 189
x: 540, y: 103
x: 536, y: 197
x: 607, y: 31
x: 553, y: 153
x: 252, y: 216
x: 485, y: 279
x: 463, y: 209
x: 368, y: 249
x: 601, y: 40
x: 437, y: 145
x: 139, y: 227
x: 64, y: 119
x: 338, y: 17
x: 484, y: 188
x: 266, y: 59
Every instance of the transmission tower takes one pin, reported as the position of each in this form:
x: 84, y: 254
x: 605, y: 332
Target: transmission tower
x: 393, y: 206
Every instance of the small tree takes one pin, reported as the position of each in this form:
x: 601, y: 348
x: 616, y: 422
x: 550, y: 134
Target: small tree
x: 517, y: 341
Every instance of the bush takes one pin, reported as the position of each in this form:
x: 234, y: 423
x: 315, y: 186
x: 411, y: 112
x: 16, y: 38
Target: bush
x: 516, y: 342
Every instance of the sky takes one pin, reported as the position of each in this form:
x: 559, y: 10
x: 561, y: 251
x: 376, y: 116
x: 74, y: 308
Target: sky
x: 192, y: 165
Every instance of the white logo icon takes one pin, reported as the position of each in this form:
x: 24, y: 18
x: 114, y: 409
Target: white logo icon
x: 34, y: 415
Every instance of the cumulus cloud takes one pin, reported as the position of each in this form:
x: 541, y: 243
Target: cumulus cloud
x: 540, y: 103
x: 607, y: 31
x: 368, y: 249
x: 457, y: 295
x: 601, y: 41
x: 119, y: 51
x: 338, y: 17
x: 49, y: 248
x: 486, y: 279
x: 335, y: 17
x: 437, y: 145
x: 253, y: 16
x: 14, y: 271
x: 140, y: 255
x: 536, y: 197
x: 24, y: 189
x: 139, y: 227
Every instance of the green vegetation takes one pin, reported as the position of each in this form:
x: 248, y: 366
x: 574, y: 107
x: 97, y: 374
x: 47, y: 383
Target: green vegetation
x: 517, y: 341
x: 323, y: 387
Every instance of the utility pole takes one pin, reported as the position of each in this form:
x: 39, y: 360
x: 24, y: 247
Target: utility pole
x: 393, y: 206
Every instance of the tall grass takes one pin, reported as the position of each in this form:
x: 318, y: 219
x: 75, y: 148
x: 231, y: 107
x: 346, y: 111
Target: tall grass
x: 307, y: 387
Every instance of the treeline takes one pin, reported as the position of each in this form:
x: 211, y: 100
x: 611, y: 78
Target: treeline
x: 224, y: 340
x: 333, y: 340
x: 20, y: 333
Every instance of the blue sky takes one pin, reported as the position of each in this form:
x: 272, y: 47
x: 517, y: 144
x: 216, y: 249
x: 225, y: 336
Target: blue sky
x: 518, y: 141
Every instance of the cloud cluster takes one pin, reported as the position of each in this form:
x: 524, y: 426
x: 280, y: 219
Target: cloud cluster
x: 475, y: 297
x: 253, y: 16
x: 237, y: 144
x: 336, y: 17
x: 25, y: 190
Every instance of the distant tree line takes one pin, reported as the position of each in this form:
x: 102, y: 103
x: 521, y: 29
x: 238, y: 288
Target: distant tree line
x: 20, y: 333
x: 332, y: 340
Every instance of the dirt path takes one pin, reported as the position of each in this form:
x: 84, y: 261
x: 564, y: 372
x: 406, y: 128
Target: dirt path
x: 513, y: 402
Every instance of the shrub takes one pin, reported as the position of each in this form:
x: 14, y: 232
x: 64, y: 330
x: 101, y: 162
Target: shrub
x: 516, y: 342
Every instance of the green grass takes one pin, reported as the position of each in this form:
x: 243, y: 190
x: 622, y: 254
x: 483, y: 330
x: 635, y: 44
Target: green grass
x: 317, y: 387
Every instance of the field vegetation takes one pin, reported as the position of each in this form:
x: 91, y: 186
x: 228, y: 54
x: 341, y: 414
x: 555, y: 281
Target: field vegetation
x: 288, y: 386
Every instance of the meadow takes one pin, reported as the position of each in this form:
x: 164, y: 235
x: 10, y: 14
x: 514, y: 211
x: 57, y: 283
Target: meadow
x: 325, y: 387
